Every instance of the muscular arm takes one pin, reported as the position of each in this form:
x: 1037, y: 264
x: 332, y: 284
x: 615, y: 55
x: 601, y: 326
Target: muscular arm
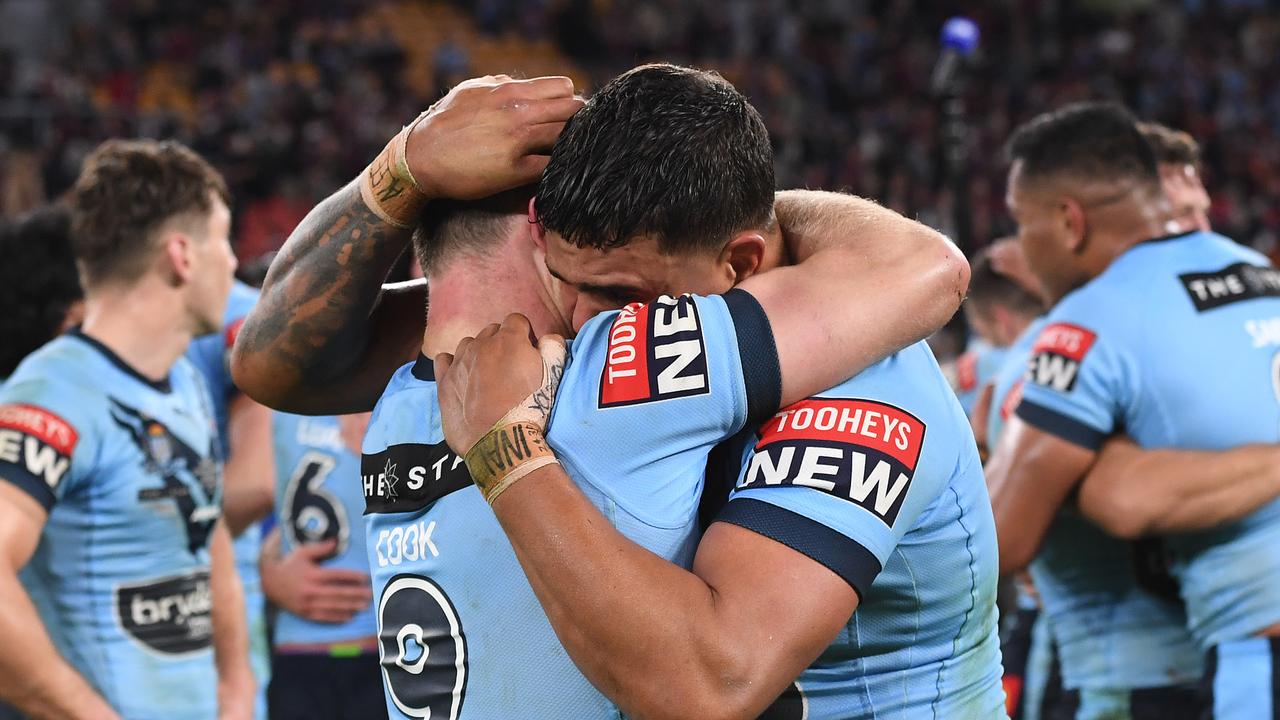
x: 720, y: 641
x: 33, y: 676
x: 321, y: 339
x: 867, y: 282
x: 1131, y: 492
x: 1030, y: 475
x: 248, y: 491
x: 230, y: 636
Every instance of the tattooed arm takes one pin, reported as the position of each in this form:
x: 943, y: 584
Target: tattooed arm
x: 309, y: 344
x: 325, y: 335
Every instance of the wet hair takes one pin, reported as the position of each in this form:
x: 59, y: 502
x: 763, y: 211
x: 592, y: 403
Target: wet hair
x: 126, y: 191
x: 449, y: 229
x: 1093, y: 141
x: 660, y: 150
x: 38, y: 282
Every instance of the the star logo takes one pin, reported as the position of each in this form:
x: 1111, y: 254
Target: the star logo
x: 389, y: 479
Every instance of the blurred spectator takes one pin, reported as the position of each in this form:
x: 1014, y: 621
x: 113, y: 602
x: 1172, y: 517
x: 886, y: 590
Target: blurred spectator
x: 289, y: 98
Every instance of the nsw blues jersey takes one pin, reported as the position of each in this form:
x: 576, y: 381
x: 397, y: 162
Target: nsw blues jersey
x: 211, y: 354
x: 128, y: 470
x: 1111, y: 607
x: 318, y: 498
x: 1177, y: 343
x: 879, y: 480
x: 975, y: 367
x: 646, y: 394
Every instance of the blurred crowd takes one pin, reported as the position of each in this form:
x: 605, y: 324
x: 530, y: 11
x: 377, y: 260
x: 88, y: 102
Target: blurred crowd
x: 289, y: 98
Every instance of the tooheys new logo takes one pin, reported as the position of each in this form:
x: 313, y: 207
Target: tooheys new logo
x: 1057, y: 354
x: 862, y: 451
x: 168, y: 615
x: 38, y: 440
x: 655, y: 353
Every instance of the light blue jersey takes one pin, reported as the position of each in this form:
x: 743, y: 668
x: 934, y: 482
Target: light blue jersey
x: 318, y: 498
x: 1112, y: 610
x: 1178, y: 344
x: 646, y: 394
x: 129, y: 471
x: 973, y: 369
x: 211, y: 354
x: 879, y: 480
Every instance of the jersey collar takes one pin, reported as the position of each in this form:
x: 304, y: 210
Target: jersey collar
x: 161, y: 385
x: 424, y: 368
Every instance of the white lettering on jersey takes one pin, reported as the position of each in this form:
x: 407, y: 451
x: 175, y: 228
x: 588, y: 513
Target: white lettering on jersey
x: 1264, y: 332
x: 684, y: 352
x: 408, y: 543
x: 1054, y: 371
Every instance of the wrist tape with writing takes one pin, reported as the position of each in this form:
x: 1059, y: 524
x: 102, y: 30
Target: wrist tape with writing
x: 387, y: 186
x: 515, y: 446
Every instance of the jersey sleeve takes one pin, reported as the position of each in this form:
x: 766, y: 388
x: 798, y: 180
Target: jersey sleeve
x: 1078, y: 381
x: 46, y: 441
x: 654, y: 387
x: 836, y: 479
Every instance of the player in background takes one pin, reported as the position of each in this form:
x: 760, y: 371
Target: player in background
x: 327, y: 667
x: 389, y: 483
x: 110, y: 462
x: 1178, y: 158
x: 38, y: 284
x: 244, y: 431
x: 1085, y: 190
x: 859, y: 496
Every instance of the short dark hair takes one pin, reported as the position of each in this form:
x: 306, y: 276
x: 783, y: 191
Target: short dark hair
x: 663, y: 150
x: 1092, y: 140
x: 38, y: 282
x: 1173, y: 147
x: 126, y: 190
x: 448, y: 229
x: 988, y: 286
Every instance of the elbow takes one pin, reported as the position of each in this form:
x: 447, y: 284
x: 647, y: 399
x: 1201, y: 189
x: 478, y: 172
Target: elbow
x: 1116, y: 513
x: 954, y: 274
x: 946, y: 276
x: 1015, y: 557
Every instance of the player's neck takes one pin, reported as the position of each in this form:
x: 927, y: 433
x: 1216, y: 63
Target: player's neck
x: 141, y: 323
x: 464, y: 301
x: 1120, y: 228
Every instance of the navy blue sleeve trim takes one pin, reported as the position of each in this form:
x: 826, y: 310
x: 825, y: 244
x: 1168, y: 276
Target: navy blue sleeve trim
x: 29, y: 484
x: 759, y: 354
x: 839, y: 553
x: 1057, y: 424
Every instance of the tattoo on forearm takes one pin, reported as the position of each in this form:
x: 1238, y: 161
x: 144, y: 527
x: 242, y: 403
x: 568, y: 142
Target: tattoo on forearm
x: 311, y: 319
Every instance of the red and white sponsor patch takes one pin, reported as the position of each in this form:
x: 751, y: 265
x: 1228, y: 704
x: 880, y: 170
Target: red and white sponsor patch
x: 967, y: 372
x: 655, y: 353
x: 866, y: 423
x: 1011, y: 400
x: 232, y: 332
x: 1065, y: 339
x: 862, y: 451
x: 40, y: 424
x: 626, y: 370
x: 1057, y: 355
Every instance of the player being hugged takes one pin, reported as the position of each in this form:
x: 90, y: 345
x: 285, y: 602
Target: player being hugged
x: 111, y: 475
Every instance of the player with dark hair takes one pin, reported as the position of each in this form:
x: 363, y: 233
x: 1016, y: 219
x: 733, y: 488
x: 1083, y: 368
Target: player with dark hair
x: 1178, y: 160
x: 39, y: 286
x: 1134, y: 309
x: 110, y: 463
x: 852, y: 498
x: 652, y: 488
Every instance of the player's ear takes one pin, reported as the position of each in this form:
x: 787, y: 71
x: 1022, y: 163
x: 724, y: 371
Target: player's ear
x: 177, y: 257
x: 742, y: 255
x: 538, y: 232
x: 1074, y: 224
